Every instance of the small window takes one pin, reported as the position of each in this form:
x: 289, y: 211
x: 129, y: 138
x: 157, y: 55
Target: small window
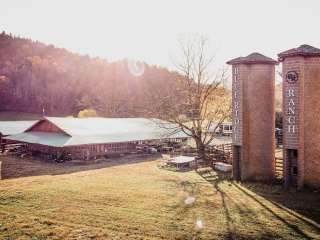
x: 293, y: 153
x: 227, y: 127
x: 235, y: 70
x: 295, y: 170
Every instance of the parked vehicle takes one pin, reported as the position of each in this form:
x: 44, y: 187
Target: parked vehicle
x: 225, y: 129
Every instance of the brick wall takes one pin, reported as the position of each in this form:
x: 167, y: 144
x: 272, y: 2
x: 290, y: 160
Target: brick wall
x: 311, y: 124
x: 257, y: 114
x: 307, y: 106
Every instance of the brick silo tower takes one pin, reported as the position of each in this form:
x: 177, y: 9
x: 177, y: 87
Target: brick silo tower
x: 301, y: 116
x: 253, y: 114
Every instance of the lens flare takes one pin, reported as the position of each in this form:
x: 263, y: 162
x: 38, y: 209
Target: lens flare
x: 136, y: 68
x: 189, y: 200
x: 199, y: 224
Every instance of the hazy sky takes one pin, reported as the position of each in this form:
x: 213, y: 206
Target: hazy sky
x: 149, y: 30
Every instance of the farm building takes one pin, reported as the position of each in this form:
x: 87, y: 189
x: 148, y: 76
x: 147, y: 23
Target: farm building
x: 86, y: 138
x: 8, y: 128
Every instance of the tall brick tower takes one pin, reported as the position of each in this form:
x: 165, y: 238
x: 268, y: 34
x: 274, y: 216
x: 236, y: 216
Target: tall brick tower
x: 253, y: 114
x: 301, y: 115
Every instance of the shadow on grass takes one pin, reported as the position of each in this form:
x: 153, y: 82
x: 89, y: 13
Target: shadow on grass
x: 305, y: 202
x: 184, y: 211
x: 216, y: 178
x: 293, y: 227
x: 15, y: 167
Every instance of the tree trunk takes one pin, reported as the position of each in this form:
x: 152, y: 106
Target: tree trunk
x: 201, y: 151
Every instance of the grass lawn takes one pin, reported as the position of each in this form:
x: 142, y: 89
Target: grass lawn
x: 131, y: 199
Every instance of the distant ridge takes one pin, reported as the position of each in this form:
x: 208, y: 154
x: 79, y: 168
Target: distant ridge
x: 35, y: 76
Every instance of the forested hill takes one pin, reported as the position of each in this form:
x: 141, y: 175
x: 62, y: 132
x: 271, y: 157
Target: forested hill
x: 34, y: 76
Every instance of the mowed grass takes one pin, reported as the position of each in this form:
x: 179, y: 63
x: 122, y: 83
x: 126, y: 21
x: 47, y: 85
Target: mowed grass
x: 135, y: 199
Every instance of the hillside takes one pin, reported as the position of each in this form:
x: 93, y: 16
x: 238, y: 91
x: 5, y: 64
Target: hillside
x: 16, y: 116
x: 35, y: 76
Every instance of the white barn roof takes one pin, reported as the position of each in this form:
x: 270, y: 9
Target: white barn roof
x: 14, y: 127
x: 80, y: 131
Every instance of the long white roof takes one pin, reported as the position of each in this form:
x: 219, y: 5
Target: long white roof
x: 101, y: 126
x: 80, y: 131
x: 14, y: 127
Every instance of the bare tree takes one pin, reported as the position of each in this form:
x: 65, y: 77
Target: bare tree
x: 197, y: 104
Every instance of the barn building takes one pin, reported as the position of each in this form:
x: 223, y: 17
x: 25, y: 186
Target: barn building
x: 85, y: 138
x: 8, y: 128
x: 301, y: 107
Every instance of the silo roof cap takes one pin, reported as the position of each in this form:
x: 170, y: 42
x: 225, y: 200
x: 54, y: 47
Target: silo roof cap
x: 303, y: 50
x: 253, y: 58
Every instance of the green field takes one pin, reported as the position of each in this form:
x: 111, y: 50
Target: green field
x: 135, y: 199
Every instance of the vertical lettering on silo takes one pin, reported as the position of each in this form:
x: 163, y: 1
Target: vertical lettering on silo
x: 291, y: 107
x: 236, y: 107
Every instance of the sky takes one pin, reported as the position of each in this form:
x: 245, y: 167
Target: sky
x: 149, y: 30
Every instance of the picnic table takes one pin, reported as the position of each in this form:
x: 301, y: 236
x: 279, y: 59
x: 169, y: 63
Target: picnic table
x: 182, y: 162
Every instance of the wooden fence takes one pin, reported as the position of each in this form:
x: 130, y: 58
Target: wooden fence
x: 221, y: 153
x: 11, y: 147
x: 279, y: 164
